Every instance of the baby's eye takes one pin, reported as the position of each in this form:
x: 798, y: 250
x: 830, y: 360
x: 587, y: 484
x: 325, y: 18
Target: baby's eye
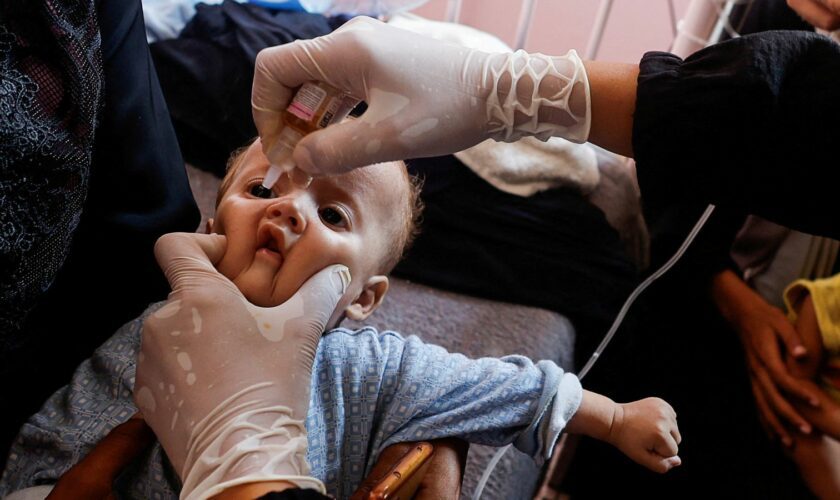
x: 261, y: 191
x: 333, y: 217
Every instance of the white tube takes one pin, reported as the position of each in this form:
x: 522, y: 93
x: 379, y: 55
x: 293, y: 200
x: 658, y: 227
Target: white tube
x: 641, y: 288
x: 610, y: 333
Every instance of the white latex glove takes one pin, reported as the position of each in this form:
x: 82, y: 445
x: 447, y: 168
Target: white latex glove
x: 425, y: 97
x: 225, y: 384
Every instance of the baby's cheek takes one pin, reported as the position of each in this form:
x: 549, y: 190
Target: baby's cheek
x: 235, y: 258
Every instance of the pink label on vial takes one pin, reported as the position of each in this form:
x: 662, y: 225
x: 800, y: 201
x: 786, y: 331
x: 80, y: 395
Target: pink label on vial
x: 307, y: 101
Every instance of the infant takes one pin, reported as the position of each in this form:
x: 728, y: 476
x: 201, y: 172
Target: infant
x: 369, y: 389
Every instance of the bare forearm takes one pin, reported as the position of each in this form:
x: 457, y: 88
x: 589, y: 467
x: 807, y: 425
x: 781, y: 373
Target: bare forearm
x: 595, y: 416
x: 729, y: 292
x: 613, y: 100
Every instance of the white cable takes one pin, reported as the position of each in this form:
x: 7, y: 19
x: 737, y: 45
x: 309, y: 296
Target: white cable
x: 641, y: 288
x: 489, y: 470
x: 485, y: 476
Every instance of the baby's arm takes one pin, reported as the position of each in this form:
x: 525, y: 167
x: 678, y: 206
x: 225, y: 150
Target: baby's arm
x: 498, y: 401
x: 645, y: 430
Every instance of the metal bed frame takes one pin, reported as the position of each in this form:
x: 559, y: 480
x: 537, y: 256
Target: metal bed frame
x: 705, y: 22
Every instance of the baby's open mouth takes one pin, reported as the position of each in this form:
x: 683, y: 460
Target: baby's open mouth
x: 271, y: 243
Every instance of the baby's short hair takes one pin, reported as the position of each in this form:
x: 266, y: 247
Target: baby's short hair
x: 410, y: 213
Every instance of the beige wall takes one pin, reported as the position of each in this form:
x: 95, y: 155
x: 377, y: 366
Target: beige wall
x: 634, y: 26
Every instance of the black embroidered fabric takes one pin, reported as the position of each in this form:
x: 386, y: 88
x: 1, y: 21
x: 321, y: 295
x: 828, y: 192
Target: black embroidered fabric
x: 50, y: 91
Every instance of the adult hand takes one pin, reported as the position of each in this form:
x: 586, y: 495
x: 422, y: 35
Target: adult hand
x: 824, y: 14
x: 425, y: 97
x: 93, y: 477
x: 442, y: 478
x: 225, y: 384
x: 826, y: 417
x: 762, y: 328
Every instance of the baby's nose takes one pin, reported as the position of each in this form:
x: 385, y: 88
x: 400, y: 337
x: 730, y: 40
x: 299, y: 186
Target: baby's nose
x: 288, y: 212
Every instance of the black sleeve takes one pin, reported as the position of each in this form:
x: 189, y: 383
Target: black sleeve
x: 752, y: 124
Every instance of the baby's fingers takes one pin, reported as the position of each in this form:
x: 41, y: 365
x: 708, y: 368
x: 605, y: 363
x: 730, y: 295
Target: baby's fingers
x: 675, y: 433
x: 662, y: 465
x: 666, y: 446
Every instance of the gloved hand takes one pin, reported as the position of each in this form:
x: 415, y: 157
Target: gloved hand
x: 425, y: 97
x: 225, y: 384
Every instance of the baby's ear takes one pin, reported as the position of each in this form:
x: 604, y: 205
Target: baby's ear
x: 208, y: 228
x: 372, y: 294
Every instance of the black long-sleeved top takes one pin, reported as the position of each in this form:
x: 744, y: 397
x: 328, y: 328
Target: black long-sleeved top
x: 752, y: 124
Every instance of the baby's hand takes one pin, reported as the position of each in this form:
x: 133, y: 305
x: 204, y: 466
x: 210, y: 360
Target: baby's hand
x: 646, y: 431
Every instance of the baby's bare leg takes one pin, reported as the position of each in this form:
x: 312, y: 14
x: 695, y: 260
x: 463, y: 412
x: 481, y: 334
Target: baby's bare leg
x: 817, y: 456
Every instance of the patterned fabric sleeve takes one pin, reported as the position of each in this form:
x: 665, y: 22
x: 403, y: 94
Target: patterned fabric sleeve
x: 373, y: 389
x: 486, y: 401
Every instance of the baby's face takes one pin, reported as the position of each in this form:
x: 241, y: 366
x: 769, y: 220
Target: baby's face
x: 274, y: 245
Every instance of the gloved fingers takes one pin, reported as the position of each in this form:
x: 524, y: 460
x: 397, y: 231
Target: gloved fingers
x: 210, y: 247
x: 425, y: 97
x: 275, y: 83
x: 389, y: 131
x: 280, y: 70
x: 306, y: 313
x: 348, y: 145
x: 188, y: 260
